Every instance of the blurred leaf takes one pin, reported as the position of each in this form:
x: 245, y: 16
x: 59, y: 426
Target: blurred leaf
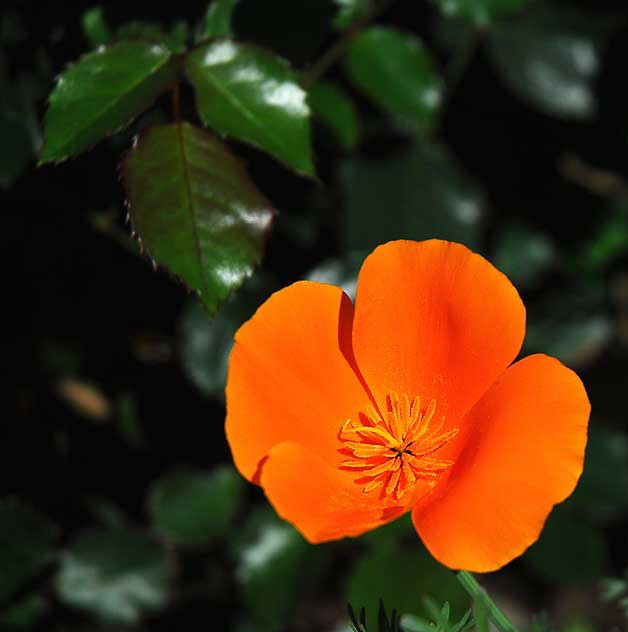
x: 217, y: 19
x: 252, y: 95
x: 395, y: 71
x: 550, y: 59
x: 610, y: 242
x: 417, y: 194
x: 334, y: 108
x: 599, y: 495
x: 17, y: 149
x: 155, y: 33
x: 416, y: 575
x: 350, y: 12
x: 101, y: 93
x: 26, y: 538
x: 193, y: 508
x: 523, y: 254
x: 396, y: 532
x: 115, y: 574
x: 440, y: 623
x: 127, y: 419
x: 569, y: 551
x: 481, y: 12
x: 206, y: 345
x: 24, y: 614
x: 195, y: 209
x: 95, y: 27
x: 273, y: 564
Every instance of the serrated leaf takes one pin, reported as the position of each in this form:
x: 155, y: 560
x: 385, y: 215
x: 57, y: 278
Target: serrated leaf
x: 193, y: 508
x: 419, y: 193
x: 103, y: 92
x: 395, y: 71
x: 217, y: 19
x: 252, y: 95
x: 25, y: 545
x: 114, y: 574
x: 550, y: 60
x: 480, y: 12
x: 334, y: 108
x: 195, y: 209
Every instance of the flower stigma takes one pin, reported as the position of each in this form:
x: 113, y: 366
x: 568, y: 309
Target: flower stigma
x: 392, y: 451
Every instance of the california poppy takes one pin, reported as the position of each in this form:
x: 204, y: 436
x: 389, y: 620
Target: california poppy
x: 349, y: 417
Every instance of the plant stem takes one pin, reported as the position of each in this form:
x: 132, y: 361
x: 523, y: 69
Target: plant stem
x: 331, y: 55
x: 471, y: 585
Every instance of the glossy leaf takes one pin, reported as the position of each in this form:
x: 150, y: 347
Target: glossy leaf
x: 101, y: 93
x: 416, y: 576
x: 195, y: 209
x: 480, y: 12
x: 114, y: 574
x: 26, y: 539
x: 351, y: 11
x: 334, y: 108
x: 217, y: 19
x: 417, y: 194
x: 273, y: 564
x: 569, y: 551
x: 549, y: 61
x: 155, y: 33
x: 193, y: 508
x: 250, y: 94
x: 395, y: 71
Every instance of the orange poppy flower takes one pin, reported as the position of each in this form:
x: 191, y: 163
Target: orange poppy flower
x: 350, y: 417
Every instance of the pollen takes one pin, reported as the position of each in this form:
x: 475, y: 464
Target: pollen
x: 393, y: 451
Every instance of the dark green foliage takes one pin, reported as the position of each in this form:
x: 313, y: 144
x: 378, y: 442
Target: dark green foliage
x: 250, y: 94
x: 195, y: 209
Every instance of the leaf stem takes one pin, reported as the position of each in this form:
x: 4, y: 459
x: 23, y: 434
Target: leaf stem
x: 471, y: 585
x: 332, y: 54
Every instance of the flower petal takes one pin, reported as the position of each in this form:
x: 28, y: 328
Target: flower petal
x: 290, y: 377
x: 526, y: 455
x: 321, y: 501
x: 434, y: 319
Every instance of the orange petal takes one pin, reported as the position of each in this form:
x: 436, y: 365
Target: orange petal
x: 528, y: 435
x: 321, y: 501
x: 288, y: 377
x: 434, y: 319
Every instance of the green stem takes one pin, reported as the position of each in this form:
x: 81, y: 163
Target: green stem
x: 471, y: 585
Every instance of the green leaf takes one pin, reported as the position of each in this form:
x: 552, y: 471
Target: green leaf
x: 195, y: 209
x: 395, y: 71
x: 523, y: 254
x: 26, y: 539
x: 155, y: 33
x: 193, y: 508
x: 334, y: 108
x: 350, y: 12
x: 416, y: 575
x: 273, y: 565
x: 217, y: 20
x: 114, y: 574
x: 95, y: 27
x: 480, y: 12
x: 102, y: 93
x: 598, y: 495
x: 417, y: 194
x: 250, y: 94
x: 549, y: 61
x: 569, y: 551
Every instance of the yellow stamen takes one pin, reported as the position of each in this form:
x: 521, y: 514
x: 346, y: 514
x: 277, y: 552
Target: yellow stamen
x: 391, y: 450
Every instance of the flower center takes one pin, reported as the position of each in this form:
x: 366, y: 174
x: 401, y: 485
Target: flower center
x: 393, y: 451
